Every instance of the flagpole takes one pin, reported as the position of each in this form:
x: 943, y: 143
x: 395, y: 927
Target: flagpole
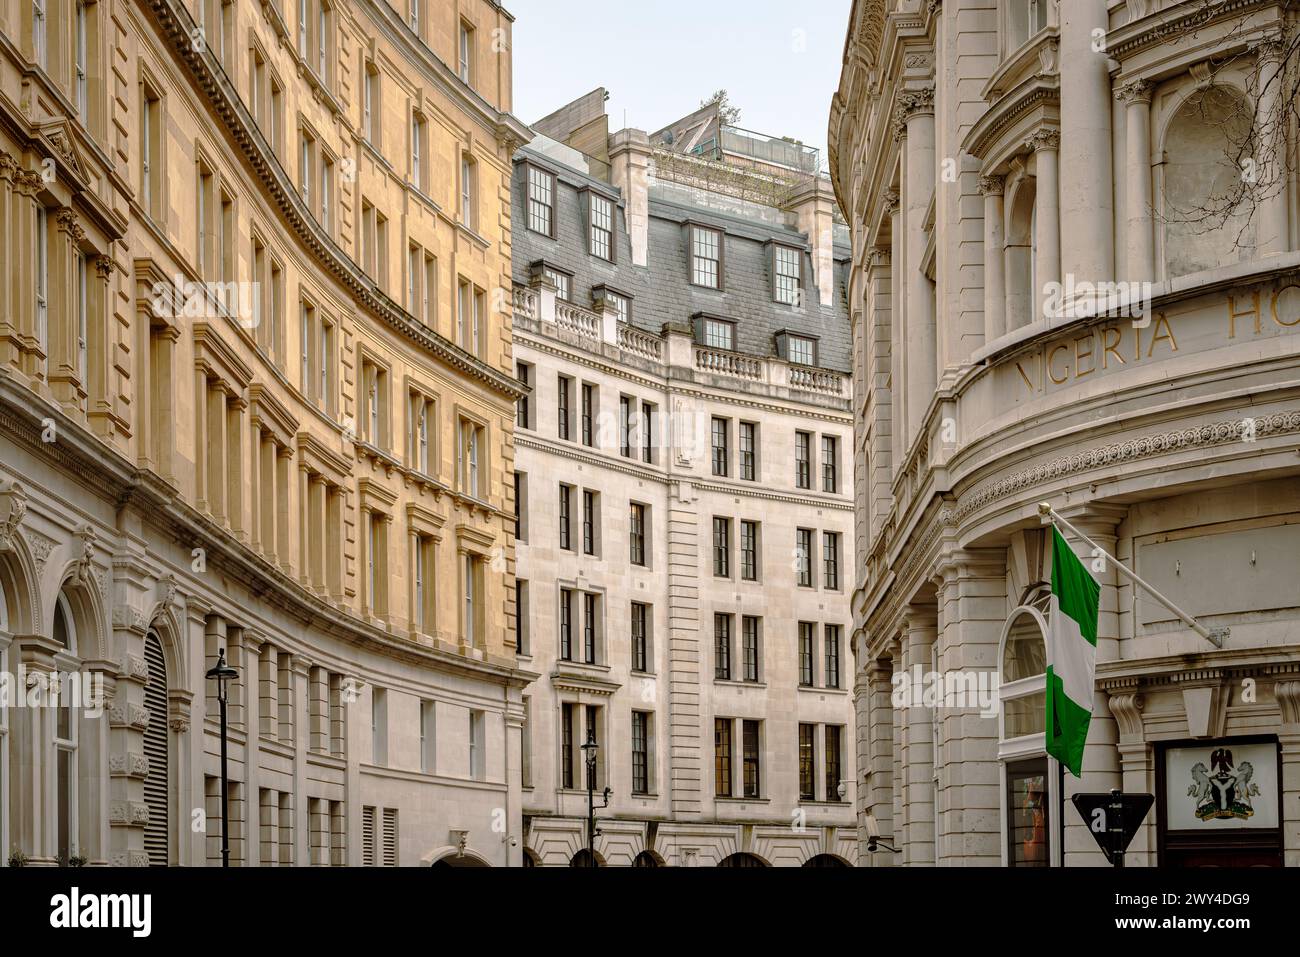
x: 1215, y: 636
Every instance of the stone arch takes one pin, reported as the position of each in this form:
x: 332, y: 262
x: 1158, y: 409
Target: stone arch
x: 87, y: 608
x: 648, y: 858
x: 18, y: 579
x: 583, y: 858
x: 450, y: 855
x: 1204, y: 207
x: 171, y: 631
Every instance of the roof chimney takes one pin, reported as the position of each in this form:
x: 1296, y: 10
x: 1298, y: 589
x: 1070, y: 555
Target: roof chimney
x: 629, y: 159
x: 813, y: 204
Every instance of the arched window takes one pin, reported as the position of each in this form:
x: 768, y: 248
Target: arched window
x: 1021, y: 253
x: 65, y: 735
x: 824, y: 860
x: 157, y: 750
x: 1207, y: 205
x: 584, y: 858
x: 1030, y: 779
x: 647, y: 859
x: 742, y: 860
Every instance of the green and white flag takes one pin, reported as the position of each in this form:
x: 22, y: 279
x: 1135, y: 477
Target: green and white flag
x: 1072, y: 651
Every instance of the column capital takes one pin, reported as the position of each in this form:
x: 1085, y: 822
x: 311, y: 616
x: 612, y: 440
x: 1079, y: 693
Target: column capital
x: 910, y: 104
x: 1135, y: 92
x: 892, y: 199
x: 992, y: 185
x: 1287, y: 693
x: 1043, y: 140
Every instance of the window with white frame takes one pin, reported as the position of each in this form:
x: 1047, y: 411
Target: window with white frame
x: 719, y: 334
x: 465, y: 49
x: 706, y: 257
x: 379, y: 727
x: 1025, y: 20
x: 787, y: 273
x: 541, y: 201
x: 43, y: 280
x: 428, y: 737
x: 802, y: 350
x: 420, y: 411
x: 468, y: 191
x: 1029, y: 784
x: 477, y: 746
x: 417, y: 151
x: 622, y: 305
x: 468, y: 450
x: 602, y: 227
x: 83, y: 317
x: 66, y: 811
x: 370, y: 124
x: 80, y: 64
x: 40, y: 32
x: 563, y: 283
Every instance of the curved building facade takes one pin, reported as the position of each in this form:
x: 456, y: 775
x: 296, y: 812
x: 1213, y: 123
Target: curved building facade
x: 1074, y: 281
x: 686, y: 505
x: 257, y: 398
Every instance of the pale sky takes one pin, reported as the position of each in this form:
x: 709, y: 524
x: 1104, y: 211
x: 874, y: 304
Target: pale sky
x: 778, y: 59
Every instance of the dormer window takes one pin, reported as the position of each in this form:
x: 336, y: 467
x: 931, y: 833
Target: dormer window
x: 796, y: 349
x: 787, y: 274
x: 715, y: 333
x: 706, y: 257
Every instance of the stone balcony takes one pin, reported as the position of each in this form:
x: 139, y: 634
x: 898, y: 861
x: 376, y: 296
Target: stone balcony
x: 673, y: 354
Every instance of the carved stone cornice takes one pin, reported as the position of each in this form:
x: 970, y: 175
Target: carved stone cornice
x: 1287, y: 694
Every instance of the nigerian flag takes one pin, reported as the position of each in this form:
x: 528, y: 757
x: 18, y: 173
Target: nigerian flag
x: 1072, y: 651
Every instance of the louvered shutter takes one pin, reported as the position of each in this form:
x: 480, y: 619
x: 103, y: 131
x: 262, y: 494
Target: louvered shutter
x: 368, y: 837
x: 155, y: 749
x: 390, y: 837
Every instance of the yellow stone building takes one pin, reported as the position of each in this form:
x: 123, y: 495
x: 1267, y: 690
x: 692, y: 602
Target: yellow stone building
x: 256, y: 395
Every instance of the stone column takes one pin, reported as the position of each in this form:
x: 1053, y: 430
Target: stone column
x: 973, y: 609
x: 304, y: 732
x: 128, y: 719
x: 687, y: 740
x: 101, y: 335
x: 32, y: 798
x: 202, y: 415
x: 920, y: 628
x: 995, y: 279
x: 283, y: 458
x: 1287, y: 693
x: 881, y: 406
x: 1047, y: 231
x: 1273, y: 234
x: 916, y: 111
x: 61, y: 365
x: 22, y: 280
x: 1140, y: 262
x: 1087, y: 183
x: 897, y: 339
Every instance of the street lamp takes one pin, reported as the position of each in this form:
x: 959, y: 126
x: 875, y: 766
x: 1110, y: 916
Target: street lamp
x: 222, y: 673
x: 589, y: 756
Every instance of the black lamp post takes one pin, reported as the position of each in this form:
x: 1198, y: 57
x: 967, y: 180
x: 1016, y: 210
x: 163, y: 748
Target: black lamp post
x: 589, y: 756
x: 223, y: 673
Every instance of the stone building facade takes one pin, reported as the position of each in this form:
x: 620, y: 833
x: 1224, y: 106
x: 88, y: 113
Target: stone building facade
x: 257, y: 396
x: 1009, y: 168
x: 685, y: 506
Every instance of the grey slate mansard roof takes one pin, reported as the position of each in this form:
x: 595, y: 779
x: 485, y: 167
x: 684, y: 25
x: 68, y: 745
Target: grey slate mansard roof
x: 661, y: 292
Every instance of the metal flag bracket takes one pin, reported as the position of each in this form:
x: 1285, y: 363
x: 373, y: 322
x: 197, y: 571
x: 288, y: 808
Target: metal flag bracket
x: 1215, y: 636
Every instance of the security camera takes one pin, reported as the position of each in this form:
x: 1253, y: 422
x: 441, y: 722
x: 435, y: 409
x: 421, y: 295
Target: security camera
x: 514, y: 842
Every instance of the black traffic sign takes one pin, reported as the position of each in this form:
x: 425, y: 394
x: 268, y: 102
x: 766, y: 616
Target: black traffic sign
x: 1113, y: 819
